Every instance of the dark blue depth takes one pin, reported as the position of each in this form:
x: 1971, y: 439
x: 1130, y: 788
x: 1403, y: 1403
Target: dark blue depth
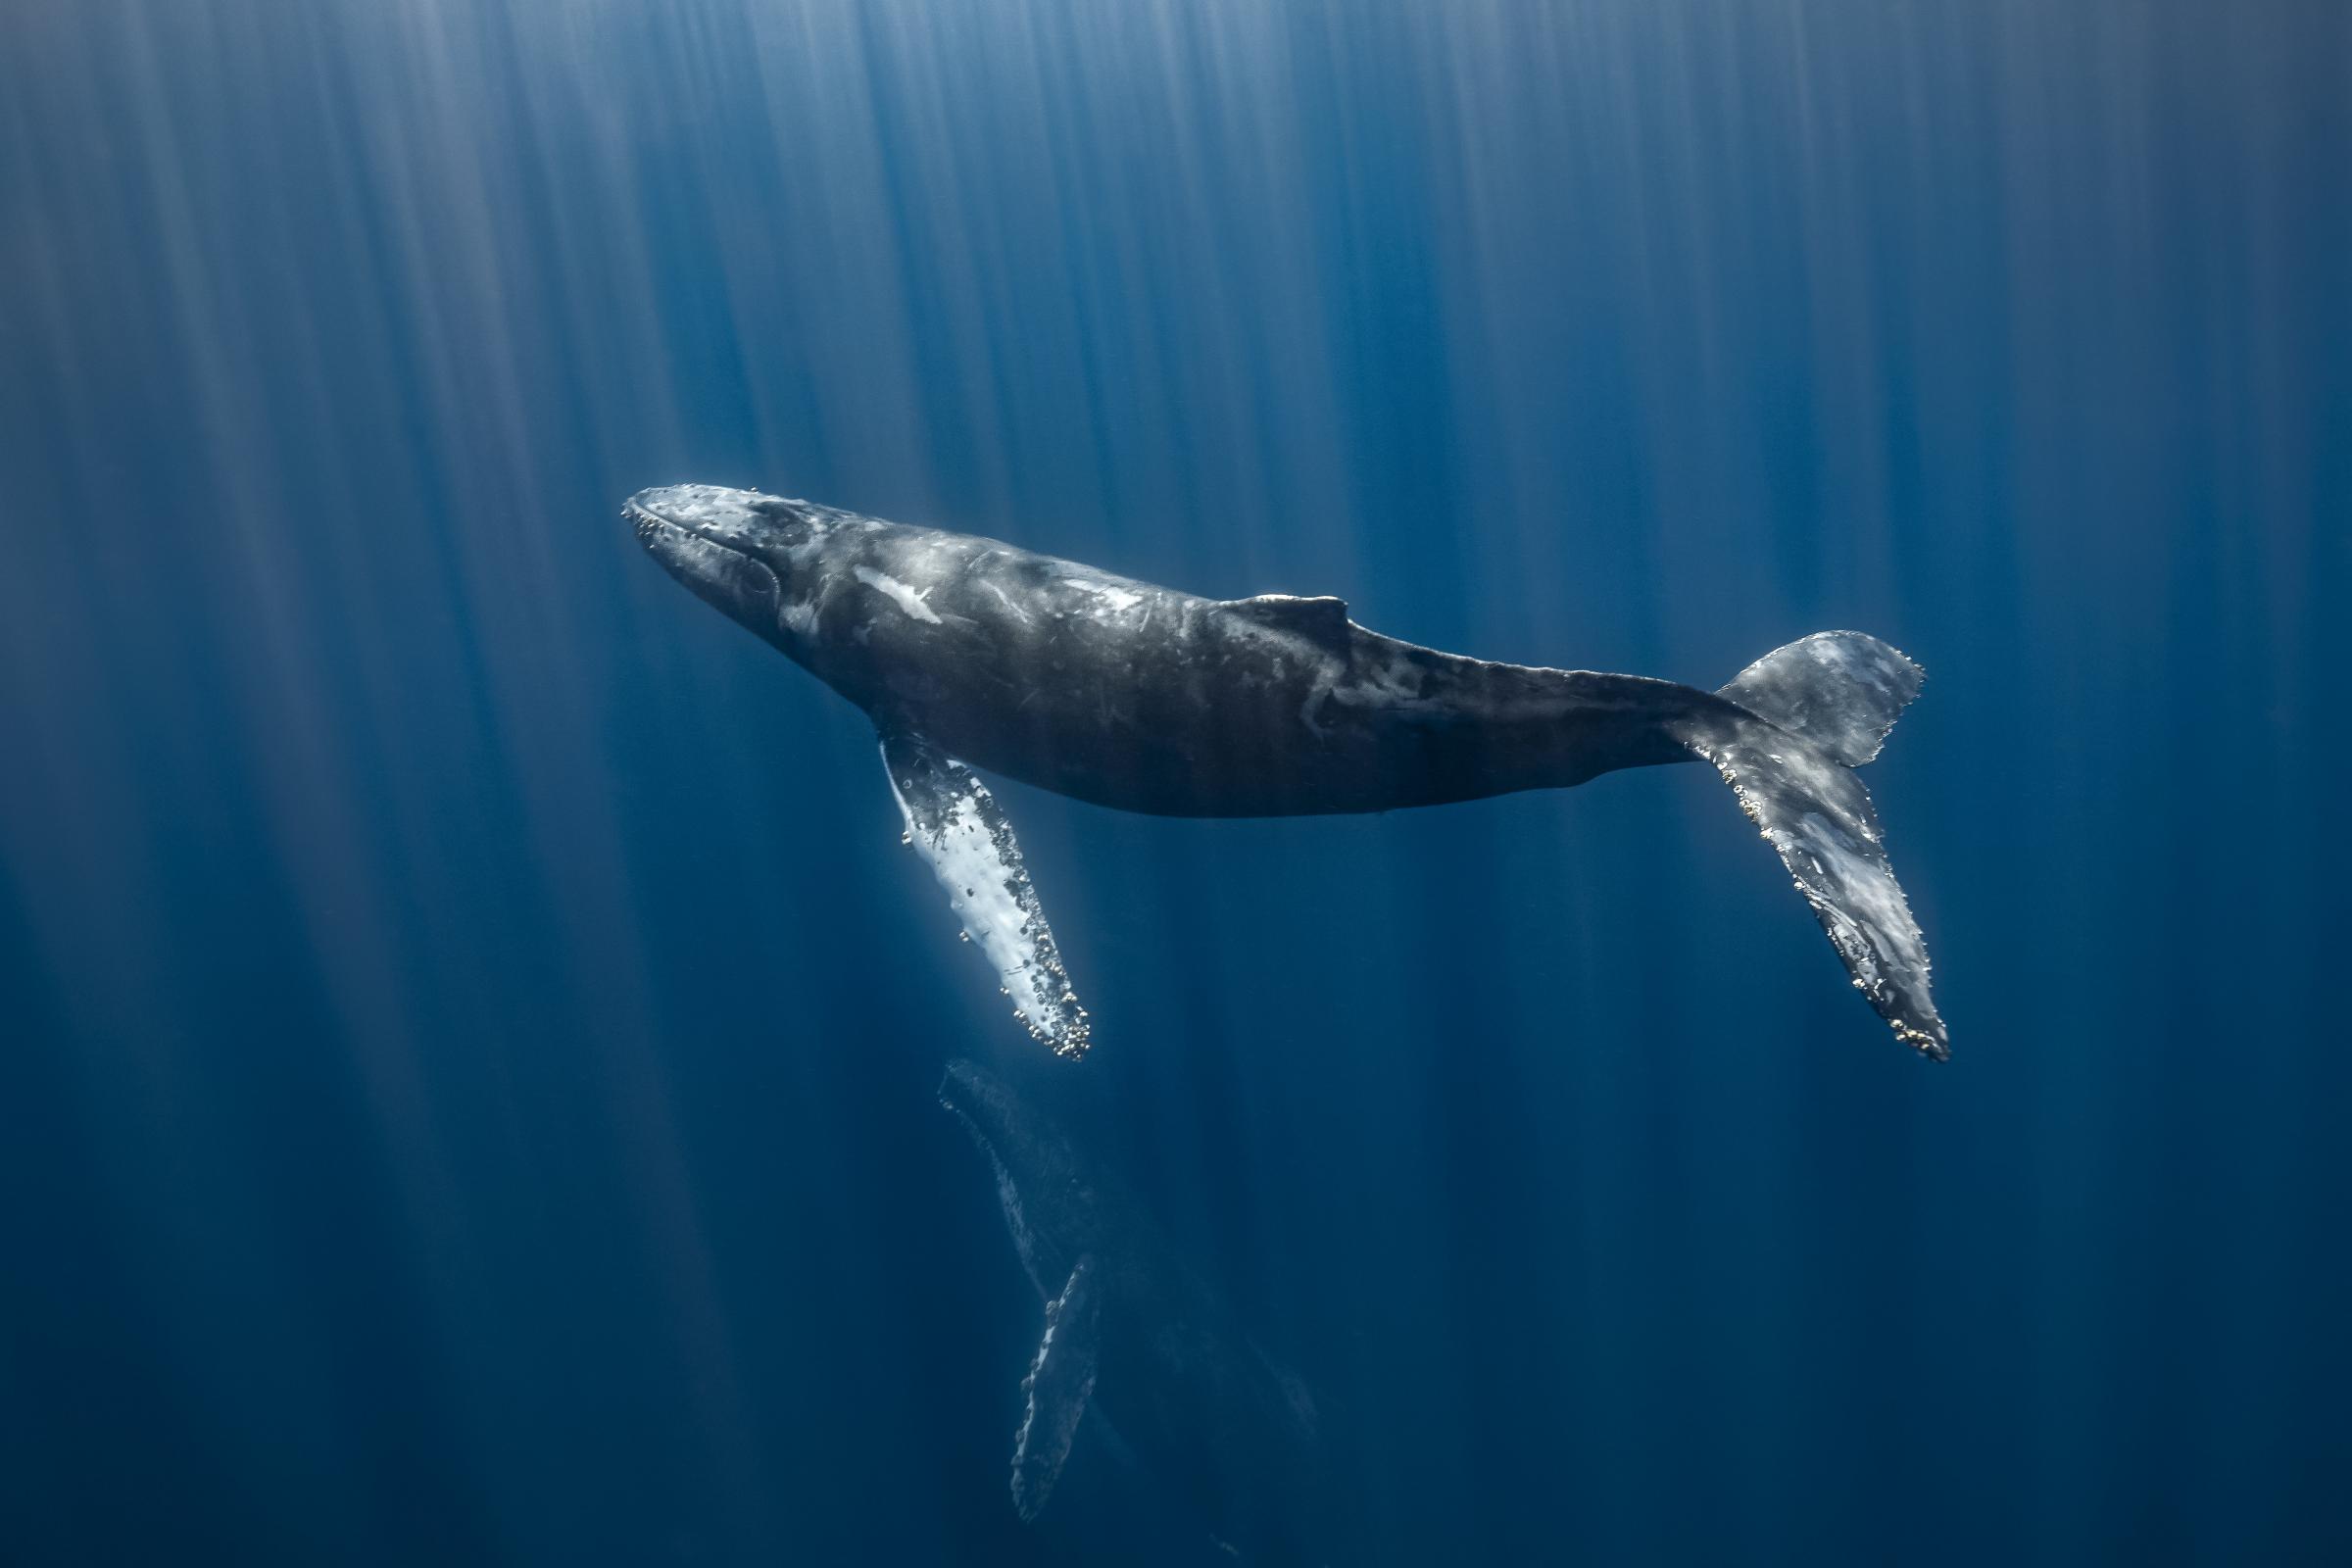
x: 471, y: 1035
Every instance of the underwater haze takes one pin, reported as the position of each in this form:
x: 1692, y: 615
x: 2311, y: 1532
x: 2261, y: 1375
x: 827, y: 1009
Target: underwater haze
x: 472, y: 1039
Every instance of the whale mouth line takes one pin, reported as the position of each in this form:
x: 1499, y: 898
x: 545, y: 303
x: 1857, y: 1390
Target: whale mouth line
x: 642, y: 524
x: 954, y: 1087
x: 724, y: 569
x: 647, y: 524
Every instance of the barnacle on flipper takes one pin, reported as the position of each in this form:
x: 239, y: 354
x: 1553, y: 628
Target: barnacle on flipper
x: 1919, y: 1039
x: 958, y: 825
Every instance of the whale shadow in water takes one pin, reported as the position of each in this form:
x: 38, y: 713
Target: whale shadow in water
x: 1140, y: 1353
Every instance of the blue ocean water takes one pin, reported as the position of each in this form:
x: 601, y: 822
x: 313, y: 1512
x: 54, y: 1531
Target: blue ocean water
x: 470, y: 1037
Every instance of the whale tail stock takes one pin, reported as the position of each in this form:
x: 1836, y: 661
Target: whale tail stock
x: 1794, y: 726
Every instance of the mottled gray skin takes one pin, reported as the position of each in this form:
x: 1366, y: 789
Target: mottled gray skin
x: 1139, y: 697
x: 1150, y: 699
x: 1236, y: 1438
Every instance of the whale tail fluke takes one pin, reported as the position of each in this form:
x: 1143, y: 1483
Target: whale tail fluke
x: 1802, y: 718
x: 1840, y: 690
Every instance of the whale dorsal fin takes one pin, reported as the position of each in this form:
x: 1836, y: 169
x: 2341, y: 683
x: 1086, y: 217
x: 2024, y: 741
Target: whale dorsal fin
x: 961, y: 830
x: 1323, y: 619
x: 1060, y: 1379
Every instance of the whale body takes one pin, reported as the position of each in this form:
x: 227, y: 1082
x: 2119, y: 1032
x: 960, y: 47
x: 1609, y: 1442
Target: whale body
x: 968, y: 653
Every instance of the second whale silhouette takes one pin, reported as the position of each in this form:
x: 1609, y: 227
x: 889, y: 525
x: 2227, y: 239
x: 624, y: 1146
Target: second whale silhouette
x: 1233, y: 1437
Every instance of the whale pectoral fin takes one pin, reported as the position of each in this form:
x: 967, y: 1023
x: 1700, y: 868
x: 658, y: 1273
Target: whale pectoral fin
x: 1060, y: 1382
x: 957, y: 824
x: 1322, y: 619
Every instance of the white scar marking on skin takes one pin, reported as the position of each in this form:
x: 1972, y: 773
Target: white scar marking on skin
x: 1006, y: 599
x: 897, y: 593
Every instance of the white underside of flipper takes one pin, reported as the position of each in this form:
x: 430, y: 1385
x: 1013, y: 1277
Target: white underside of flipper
x: 961, y: 830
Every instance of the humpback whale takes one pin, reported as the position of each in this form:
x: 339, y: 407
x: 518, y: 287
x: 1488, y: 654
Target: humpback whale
x: 970, y: 654
x: 1132, y: 1332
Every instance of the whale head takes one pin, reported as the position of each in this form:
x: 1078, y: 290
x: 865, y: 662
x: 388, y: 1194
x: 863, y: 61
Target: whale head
x: 748, y: 555
x: 1051, y: 1202
x: 1028, y: 1149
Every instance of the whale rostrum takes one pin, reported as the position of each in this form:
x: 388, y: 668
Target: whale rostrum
x: 969, y: 653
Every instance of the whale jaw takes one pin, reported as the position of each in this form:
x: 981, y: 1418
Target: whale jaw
x: 730, y: 547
